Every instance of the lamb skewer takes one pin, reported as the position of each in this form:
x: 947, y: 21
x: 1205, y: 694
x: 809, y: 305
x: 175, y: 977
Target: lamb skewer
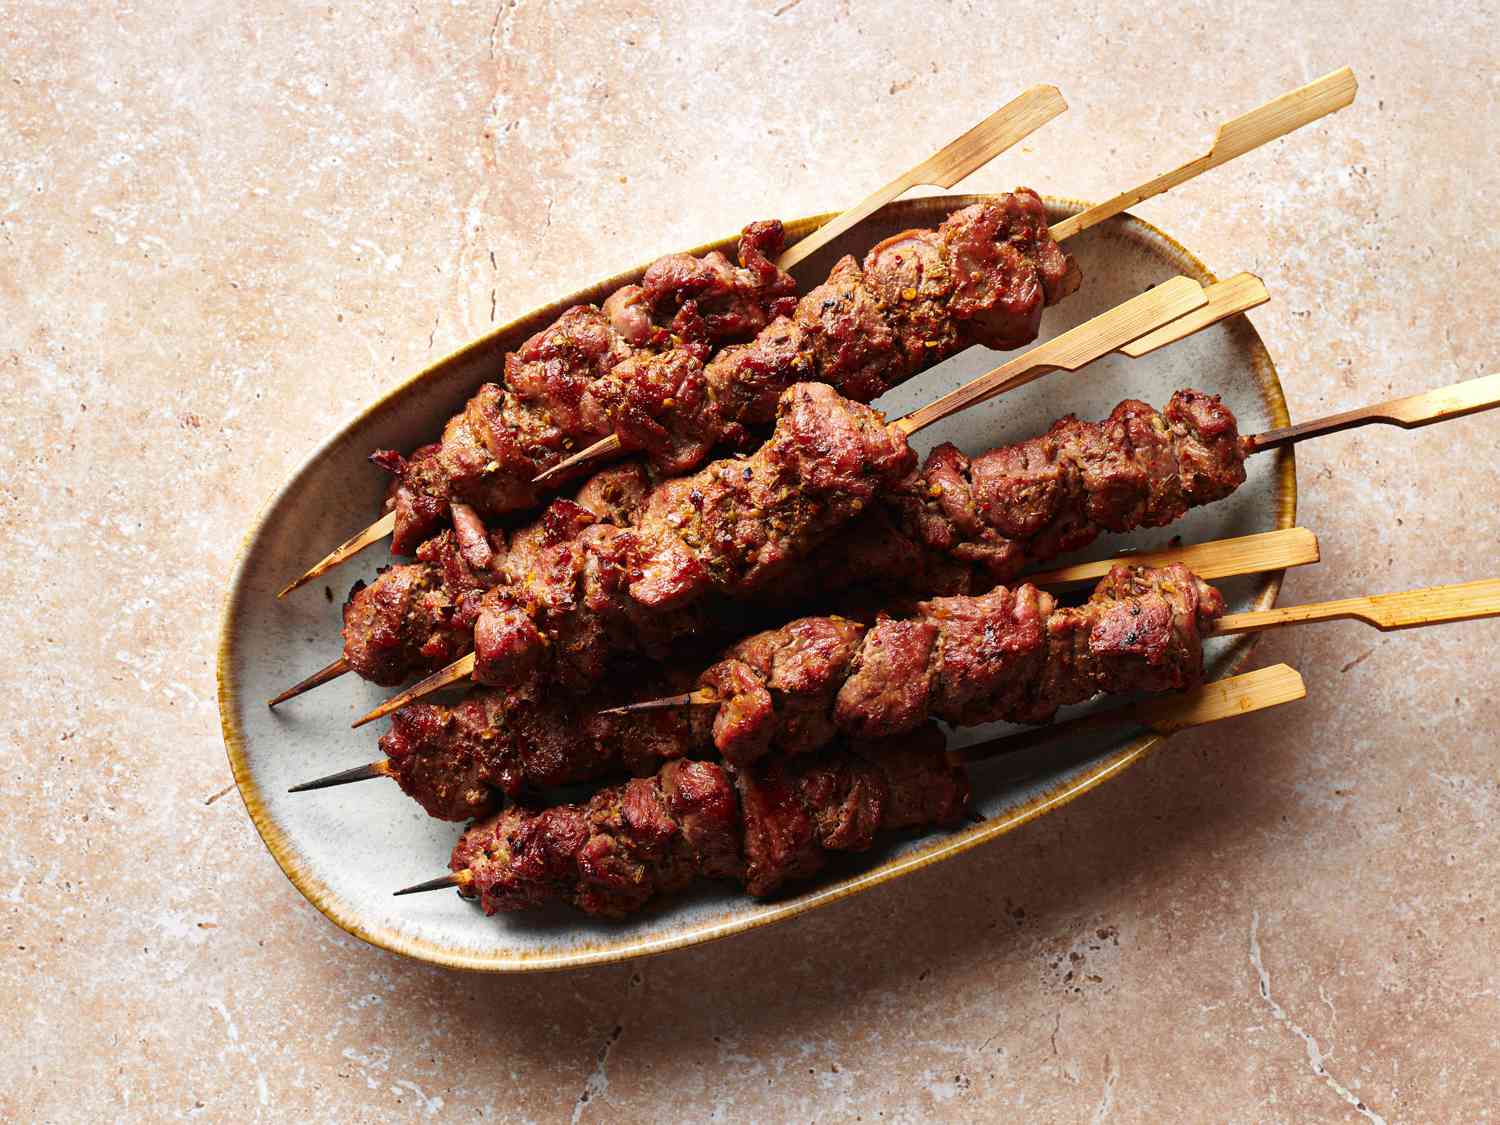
x: 740, y: 525
x: 848, y: 325
x: 1276, y: 118
x: 955, y: 511
x: 674, y: 288
x: 1010, y: 655
x: 763, y: 826
x: 458, y: 762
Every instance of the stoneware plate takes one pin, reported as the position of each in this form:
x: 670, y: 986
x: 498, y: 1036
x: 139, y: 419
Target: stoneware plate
x: 348, y: 848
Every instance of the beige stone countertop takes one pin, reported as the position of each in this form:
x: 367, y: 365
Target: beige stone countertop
x: 224, y: 227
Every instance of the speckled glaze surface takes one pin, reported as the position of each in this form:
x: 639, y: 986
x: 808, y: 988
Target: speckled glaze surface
x: 266, y: 644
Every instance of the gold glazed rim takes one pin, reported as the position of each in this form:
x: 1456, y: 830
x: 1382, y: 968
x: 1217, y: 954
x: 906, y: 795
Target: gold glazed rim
x: 736, y: 920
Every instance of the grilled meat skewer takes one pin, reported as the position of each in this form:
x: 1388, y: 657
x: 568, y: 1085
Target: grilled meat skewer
x: 633, y: 366
x: 948, y: 529
x: 741, y: 526
x: 939, y: 531
x: 636, y: 366
x: 1012, y: 655
x: 762, y: 827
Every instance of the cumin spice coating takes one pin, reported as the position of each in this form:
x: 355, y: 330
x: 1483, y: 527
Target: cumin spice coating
x: 639, y: 367
x: 763, y: 827
x: 1013, y: 654
x: 633, y: 367
x: 732, y: 528
x: 459, y: 761
x: 956, y: 527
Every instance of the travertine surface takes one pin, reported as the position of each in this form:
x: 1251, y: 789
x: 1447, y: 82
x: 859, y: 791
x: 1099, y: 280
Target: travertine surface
x: 226, y: 226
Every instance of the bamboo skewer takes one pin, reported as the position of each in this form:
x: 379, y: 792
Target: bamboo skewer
x: 1105, y: 333
x: 1410, y: 413
x: 344, y: 551
x: 1008, y: 125
x: 1211, y: 703
x: 366, y: 772
x: 1410, y: 609
x: 1222, y: 699
x: 1221, y: 558
x: 317, y: 679
x: 1276, y: 118
x: 1001, y: 130
x: 1250, y: 554
x: 1154, y: 310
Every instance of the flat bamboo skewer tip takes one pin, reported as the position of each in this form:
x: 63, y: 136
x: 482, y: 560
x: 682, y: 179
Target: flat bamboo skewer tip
x: 1221, y: 558
x: 1236, y: 137
x: 1410, y: 413
x: 1409, y: 609
x: 1152, y: 310
x: 1007, y: 126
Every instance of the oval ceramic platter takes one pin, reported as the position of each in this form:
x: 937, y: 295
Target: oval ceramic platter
x: 348, y: 848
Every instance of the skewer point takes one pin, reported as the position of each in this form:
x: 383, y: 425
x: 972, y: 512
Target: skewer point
x: 345, y: 777
x: 687, y: 698
x: 442, y: 882
x: 458, y: 670
x: 344, y: 551
x: 321, y: 676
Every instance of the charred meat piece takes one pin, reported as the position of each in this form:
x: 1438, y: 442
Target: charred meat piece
x: 983, y: 277
x: 418, y: 617
x: 629, y: 569
x: 459, y: 761
x: 733, y: 528
x: 764, y: 827
x: 1011, y: 654
x: 631, y: 368
x: 554, y: 398
x: 1022, y: 504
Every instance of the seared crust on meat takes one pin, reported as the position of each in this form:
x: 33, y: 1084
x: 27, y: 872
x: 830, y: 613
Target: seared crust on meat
x: 634, y: 368
x: 592, y: 372
x: 764, y: 826
x: 586, y: 591
x: 459, y: 761
x: 1012, y: 654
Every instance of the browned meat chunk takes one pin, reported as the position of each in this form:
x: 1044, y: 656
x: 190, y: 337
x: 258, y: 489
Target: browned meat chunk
x: 764, y: 826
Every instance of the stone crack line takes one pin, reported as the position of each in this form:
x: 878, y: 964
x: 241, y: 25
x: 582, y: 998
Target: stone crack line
x: 596, y: 1085
x: 1107, y: 1099
x: 1315, y: 1056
